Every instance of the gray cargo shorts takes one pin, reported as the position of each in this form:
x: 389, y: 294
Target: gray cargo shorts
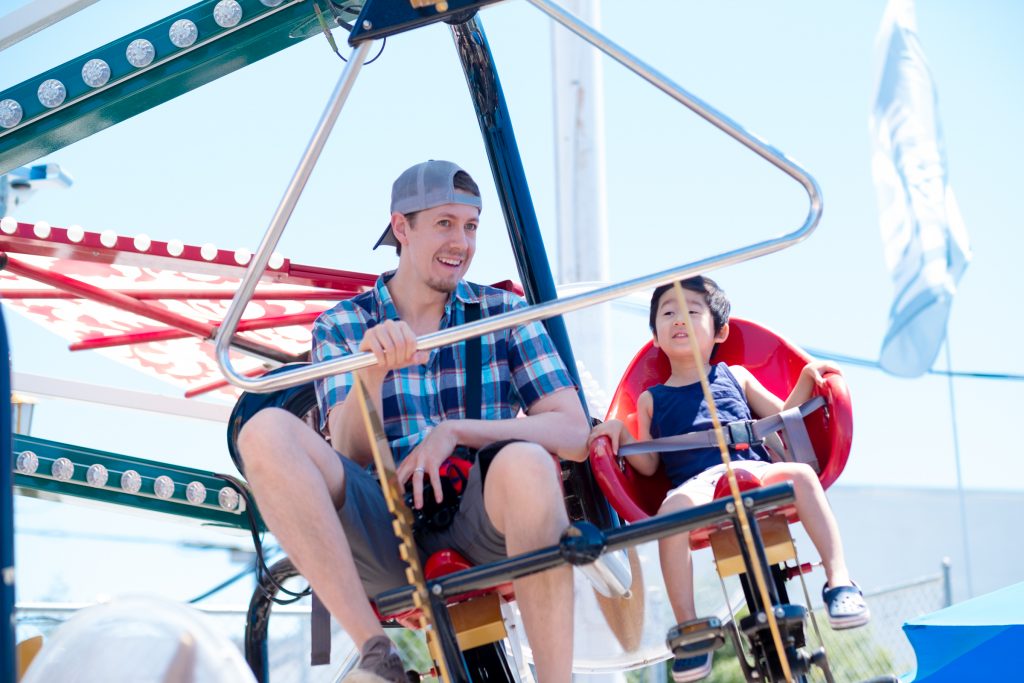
x: 367, y: 523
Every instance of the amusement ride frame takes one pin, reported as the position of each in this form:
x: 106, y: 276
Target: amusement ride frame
x: 269, y: 26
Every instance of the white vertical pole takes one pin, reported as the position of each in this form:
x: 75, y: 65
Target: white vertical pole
x: 582, y: 223
x: 965, y: 532
x: 581, y: 184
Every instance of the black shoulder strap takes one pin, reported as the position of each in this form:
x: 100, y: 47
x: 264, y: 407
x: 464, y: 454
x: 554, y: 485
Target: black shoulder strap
x: 474, y: 366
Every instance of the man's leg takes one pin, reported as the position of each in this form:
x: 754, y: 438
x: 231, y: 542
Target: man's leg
x: 523, y: 499
x: 299, y: 483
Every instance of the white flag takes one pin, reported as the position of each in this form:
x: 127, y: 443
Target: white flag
x: 926, y: 246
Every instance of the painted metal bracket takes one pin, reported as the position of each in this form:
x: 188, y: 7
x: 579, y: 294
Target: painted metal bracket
x: 144, y: 69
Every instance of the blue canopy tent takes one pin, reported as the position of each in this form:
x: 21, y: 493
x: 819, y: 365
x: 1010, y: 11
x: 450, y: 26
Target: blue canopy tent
x: 980, y: 639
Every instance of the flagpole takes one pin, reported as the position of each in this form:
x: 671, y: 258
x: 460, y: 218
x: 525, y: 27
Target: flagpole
x: 959, y: 474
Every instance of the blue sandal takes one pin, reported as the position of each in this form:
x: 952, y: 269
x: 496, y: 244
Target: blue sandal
x: 845, y: 607
x: 691, y: 668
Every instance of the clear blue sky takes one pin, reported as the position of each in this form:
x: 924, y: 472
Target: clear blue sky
x: 212, y: 165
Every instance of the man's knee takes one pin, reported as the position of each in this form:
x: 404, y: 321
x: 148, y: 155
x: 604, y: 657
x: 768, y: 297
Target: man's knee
x: 524, y: 465
x: 523, y: 493
x: 261, y: 435
x: 524, y: 476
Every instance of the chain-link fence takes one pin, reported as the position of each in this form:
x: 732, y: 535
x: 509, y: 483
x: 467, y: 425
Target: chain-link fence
x: 881, y: 647
x: 855, y: 654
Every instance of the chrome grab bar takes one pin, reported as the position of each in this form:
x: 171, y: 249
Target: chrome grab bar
x: 536, y: 312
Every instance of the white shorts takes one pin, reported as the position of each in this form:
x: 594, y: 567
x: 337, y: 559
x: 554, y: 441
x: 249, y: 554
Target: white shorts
x: 701, y: 487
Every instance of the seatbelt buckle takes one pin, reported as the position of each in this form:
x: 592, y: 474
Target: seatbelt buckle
x: 741, y: 434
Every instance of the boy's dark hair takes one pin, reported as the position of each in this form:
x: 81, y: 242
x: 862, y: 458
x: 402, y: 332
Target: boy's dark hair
x: 461, y: 181
x: 714, y: 297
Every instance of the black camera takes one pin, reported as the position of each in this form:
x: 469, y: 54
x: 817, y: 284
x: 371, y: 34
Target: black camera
x: 434, y: 516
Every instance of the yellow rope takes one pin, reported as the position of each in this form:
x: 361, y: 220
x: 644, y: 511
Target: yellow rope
x: 393, y: 495
x: 741, y: 514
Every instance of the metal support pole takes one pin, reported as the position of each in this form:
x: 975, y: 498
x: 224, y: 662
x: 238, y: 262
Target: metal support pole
x: 523, y: 228
x: 947, y: 582
x: 7, y: 664
x: 510, y: 178
x: 762, y: 559
x: 454, y: 660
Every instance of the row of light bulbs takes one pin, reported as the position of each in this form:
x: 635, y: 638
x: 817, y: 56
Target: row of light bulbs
x: 62, y: 469
x: 140, y: 53
x: 142, y: 242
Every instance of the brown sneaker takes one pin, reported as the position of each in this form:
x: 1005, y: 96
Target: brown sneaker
x: 380, y: 662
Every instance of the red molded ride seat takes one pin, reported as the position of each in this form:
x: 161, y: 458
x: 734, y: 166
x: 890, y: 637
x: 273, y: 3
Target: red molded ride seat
x: 776, y: 363
x: 442, y: 563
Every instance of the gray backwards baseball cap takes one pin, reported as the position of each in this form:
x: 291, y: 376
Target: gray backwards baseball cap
x: 424, y: 186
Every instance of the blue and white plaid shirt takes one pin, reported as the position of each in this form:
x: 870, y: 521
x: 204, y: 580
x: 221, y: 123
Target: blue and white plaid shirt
x: 520, y: 365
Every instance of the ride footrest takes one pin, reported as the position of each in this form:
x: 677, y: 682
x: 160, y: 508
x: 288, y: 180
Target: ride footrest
x: 695, y: 637
x: 786, y: 616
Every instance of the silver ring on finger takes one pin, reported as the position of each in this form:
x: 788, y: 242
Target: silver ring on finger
x: 420, y: 470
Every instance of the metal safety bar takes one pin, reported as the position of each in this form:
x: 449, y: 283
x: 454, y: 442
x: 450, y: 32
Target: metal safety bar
x: 397, y: 600
x: 261, y: 258
x: 533, y: 313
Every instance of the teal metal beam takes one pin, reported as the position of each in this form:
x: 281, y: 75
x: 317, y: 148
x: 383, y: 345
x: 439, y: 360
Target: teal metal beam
x: 53, y: 470
x: 29, y: 129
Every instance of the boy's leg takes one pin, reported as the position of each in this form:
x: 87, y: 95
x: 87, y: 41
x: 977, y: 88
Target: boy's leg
x: 815, y: 515
x: 674, y: 551
x: 299, y: 483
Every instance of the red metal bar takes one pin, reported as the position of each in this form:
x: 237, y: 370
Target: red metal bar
x: 92, y: 250
x: 326, y: 277
x: 146, y: 336
x: 132, y: 305
x: 186, y: 295
x: 143, y: 337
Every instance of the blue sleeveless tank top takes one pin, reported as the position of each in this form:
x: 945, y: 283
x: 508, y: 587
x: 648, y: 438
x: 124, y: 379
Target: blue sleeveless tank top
x: 680, y: 410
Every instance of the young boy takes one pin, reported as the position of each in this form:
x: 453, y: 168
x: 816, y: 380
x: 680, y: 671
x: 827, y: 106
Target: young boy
x: 678, y: 406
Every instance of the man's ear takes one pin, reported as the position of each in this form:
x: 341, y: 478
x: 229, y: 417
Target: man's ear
x: 723, y: 334
x: 654, y: 338
x: 400, y: 226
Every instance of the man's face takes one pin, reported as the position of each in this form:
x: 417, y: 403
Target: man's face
x: 670, y: 327
x: 439, y: 244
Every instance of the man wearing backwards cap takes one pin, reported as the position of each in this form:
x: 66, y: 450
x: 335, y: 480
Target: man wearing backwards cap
x: 512, y: 502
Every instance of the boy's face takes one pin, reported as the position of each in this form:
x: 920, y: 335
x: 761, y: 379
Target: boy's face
x: 670, y: 326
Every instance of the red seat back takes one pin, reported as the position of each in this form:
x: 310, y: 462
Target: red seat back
x: 774, y: 361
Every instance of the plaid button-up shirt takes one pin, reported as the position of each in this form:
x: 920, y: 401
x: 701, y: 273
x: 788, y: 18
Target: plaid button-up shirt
x: 520, y: 365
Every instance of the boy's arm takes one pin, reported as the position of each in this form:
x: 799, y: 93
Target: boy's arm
x: 813, y: 375
x: 645, y: 463
x: 764, y: 403
x: 615, y: 430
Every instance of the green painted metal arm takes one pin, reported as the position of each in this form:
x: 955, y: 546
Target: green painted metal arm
x: 218, y: 50
x: 54, y: 470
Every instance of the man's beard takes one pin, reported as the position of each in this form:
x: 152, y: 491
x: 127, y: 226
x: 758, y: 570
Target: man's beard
x: 442, y: 286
